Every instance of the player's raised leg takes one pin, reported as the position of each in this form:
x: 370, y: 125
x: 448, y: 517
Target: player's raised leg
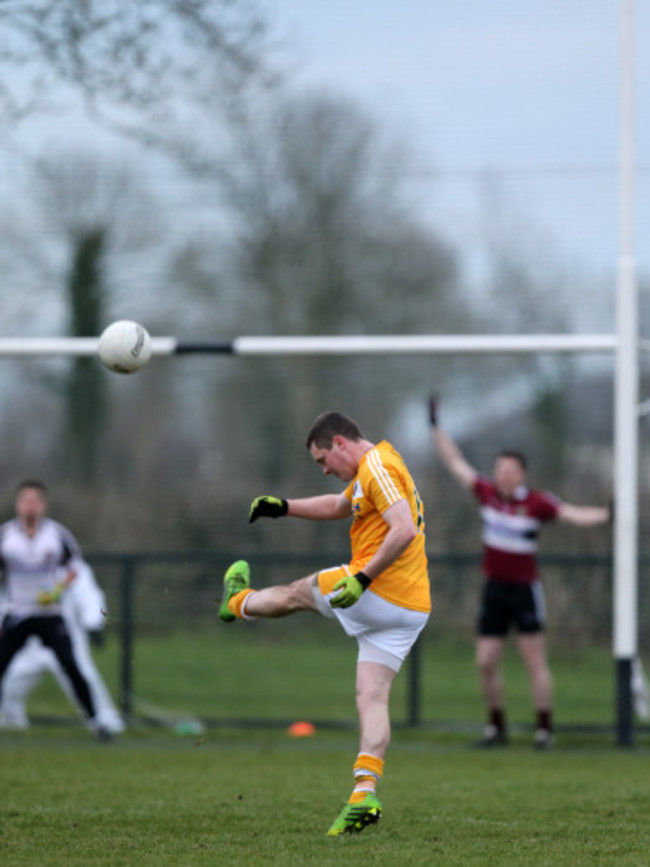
x: 239, y: 600
x: 236, y: 581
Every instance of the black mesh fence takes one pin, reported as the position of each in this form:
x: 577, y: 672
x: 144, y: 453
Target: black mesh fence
x: 176, y: 661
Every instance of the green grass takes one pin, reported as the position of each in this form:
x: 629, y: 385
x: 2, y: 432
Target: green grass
x: 306, y: 670
x: 268, y: 800
x: 231, y: 797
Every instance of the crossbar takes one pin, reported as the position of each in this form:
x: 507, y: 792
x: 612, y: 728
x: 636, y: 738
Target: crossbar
x: 422, y: 344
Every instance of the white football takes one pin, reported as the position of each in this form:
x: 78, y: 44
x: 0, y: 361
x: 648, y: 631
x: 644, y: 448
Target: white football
x: 124, y: 347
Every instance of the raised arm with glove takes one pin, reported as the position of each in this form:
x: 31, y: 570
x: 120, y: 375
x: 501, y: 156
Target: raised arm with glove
x: 267, y: 507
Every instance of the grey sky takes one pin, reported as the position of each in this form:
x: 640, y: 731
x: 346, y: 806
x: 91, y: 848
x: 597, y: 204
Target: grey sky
x: 528, y: 90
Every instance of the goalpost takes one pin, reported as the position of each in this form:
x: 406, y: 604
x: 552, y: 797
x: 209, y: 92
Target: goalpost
x: 624, y: 344
x: 626, y: 393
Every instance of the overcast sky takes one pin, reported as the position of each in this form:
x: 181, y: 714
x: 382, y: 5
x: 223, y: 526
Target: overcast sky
x: 529, y: 90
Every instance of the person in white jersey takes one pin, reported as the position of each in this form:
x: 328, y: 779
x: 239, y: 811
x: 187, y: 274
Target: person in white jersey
x: 40, y: 559
x: 512, y: 515
x: 84, y: 611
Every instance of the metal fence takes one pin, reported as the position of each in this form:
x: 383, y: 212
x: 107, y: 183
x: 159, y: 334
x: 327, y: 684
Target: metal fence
x: 161, y: 608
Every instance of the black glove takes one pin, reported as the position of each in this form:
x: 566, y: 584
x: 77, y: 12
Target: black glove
x: 433, y: 410
x: 267, y: 507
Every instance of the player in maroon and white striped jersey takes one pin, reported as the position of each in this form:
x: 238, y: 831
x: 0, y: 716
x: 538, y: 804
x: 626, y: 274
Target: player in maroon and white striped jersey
x: 512, y: 515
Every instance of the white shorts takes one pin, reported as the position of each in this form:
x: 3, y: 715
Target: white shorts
x: 385, y: 632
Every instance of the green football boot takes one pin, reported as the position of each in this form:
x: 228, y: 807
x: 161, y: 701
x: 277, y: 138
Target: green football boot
x: 355, y: 817
x: 237, y: 578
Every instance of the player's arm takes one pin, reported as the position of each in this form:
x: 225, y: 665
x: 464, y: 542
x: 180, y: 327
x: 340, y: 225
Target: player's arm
x: 584, y: 516
x: 71, y: 558
x: 70, y: 562
x: 401, y: 532
x: 448, y: 451
x: 453, y: 458
x: 326, y: 507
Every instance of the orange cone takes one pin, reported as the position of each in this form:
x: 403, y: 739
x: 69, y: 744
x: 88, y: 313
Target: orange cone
x: 302, y: 729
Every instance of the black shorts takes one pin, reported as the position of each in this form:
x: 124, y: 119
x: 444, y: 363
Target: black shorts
x: 53, y: 632
x: 504, y: 603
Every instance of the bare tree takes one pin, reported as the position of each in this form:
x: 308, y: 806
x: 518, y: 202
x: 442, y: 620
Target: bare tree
x: 326, y: 242
x: 525, y: 283
x: 162, y: 71
x: 522, y: 286
x: 323, y: 204
x: 91, y: 214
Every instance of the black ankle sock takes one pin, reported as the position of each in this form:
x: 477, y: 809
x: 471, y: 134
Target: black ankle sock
x: 498, y: 719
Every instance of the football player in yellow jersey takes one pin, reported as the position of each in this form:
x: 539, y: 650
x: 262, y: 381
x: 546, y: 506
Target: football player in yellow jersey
x: 381, y: 597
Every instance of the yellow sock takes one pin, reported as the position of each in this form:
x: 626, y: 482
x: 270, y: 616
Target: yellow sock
x: 357, y: 796
x: 368, y: 771
x: 368, y: 766
x: 235, y: 602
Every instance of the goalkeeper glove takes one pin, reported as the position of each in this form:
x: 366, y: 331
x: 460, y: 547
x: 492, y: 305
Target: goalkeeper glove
x: 433, y: 410
x: 350, y: 589
x: 50, y: 597
x: 267, y: 507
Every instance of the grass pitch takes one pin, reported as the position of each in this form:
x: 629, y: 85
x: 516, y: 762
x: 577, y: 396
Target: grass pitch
x: 305, y: 669
x: 230, y: 797
x: 266, y: 799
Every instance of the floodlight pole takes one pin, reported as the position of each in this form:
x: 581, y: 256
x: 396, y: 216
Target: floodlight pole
x: 625, y: 625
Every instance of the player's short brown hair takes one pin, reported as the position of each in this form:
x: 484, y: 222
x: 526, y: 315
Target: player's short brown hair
x: 515, y: 455
x: 36, y: 484
x: 331, y: 424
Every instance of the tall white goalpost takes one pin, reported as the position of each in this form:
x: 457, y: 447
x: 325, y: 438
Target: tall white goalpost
x: 625, y: 625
